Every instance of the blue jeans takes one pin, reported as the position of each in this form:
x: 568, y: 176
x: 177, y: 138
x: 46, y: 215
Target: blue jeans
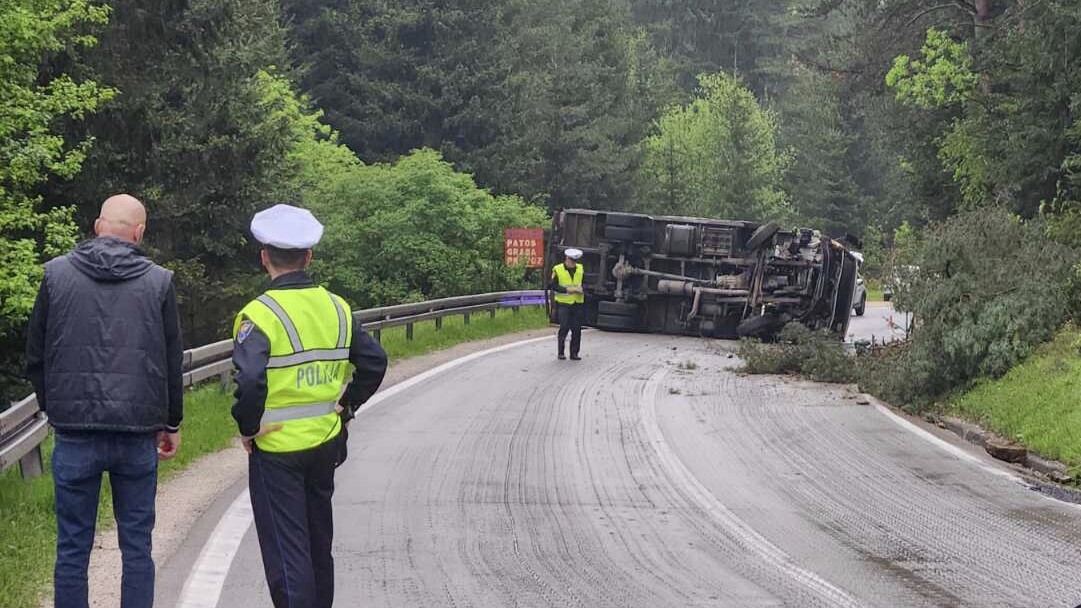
x: 79, y: 460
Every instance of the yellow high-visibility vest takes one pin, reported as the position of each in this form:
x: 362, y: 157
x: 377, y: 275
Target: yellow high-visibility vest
x: 565, y: 279
x: 310, y: 331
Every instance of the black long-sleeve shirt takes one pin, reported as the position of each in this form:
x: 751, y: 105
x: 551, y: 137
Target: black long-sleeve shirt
x: 250, y: 357
x: 174, y: 353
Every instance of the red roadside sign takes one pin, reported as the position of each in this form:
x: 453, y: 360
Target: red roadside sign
x: 524, y: 246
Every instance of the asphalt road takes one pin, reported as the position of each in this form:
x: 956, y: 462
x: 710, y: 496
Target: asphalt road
x: 651, y: 475
x: 879, y: 323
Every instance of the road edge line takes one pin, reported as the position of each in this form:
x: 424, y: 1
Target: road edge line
x: 941, y: 443
x: 212, y: 566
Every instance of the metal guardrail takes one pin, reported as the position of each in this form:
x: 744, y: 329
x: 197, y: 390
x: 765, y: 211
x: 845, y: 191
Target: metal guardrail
x: 23, y: 427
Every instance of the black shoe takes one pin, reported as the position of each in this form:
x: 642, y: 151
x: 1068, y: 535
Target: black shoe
x: 575, y: 358
x: 561, y: 356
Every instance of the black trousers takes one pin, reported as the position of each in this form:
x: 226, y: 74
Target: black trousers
x: 570, y: 321
x: 291, y: 500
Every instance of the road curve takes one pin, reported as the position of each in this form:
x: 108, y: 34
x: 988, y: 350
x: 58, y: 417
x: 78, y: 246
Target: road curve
x: 652, y: 475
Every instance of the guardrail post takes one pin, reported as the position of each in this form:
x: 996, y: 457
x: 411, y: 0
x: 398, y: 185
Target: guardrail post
x: 466, y: 317
x: 378, y: 335
x: 491, y: 314
x: 514, y: 309
x: 409, y: 331
x: 438, y: 323
x: 225, y: 378
x: 31, y: 465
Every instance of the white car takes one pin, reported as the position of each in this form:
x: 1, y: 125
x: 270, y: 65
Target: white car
x: 859, y: 298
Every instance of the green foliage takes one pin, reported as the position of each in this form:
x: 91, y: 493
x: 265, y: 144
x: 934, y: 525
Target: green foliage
x: 819, y: 181
x: 583, y: 88
x: 989, y: 288
x: 401, y: 232
x: 1003, y: 132
x: 715, y: 157
x: 874, y: 251
x: 818, y: 355
x: 1064, y: 211
x: 396, y: 76
x: 705, y: 36
x: 32, y: 148
x: 544, y: 100
x: 944, y: 76
x: 193, y: 135
x: 416, y: 229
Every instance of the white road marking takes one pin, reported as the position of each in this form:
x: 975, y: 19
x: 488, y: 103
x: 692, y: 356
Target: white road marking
x: 942, y: 443
x: 203, y: 587
x: 207, y: 579
x: 739, y: 530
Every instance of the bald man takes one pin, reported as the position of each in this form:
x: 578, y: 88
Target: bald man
x: 104, y: 354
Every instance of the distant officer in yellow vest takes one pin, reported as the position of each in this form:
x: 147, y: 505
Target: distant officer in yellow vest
x: 293, y: 350
x: 570, y: 300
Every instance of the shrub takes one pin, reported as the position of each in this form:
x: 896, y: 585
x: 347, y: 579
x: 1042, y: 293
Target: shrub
x: 416, y: 229
x: 988, y: 289
x: 799, y: 350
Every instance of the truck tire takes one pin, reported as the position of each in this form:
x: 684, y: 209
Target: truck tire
x: 616, y: 323
x: 762, y: 235
x: 619, y: 233
x: 617, y: 309
x: 622, y: 220
x: 862, y: 306
x: 764, y: 327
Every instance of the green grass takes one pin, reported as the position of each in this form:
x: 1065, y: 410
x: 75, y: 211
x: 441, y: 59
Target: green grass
x: 427, y: 339
x: 27, y: 528
x: 1038, y: 403
x: 874, y: 290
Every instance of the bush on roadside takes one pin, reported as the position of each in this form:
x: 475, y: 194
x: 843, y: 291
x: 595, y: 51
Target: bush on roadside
x: 887, y: 373
x: 988, y: 289
x: 799, y: 350
x: 417, y: 229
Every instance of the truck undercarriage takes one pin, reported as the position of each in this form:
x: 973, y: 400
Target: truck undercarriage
x: 704, y: 277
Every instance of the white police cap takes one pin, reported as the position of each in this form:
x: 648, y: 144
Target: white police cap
x: 286, y: 227
x: 573, y: 253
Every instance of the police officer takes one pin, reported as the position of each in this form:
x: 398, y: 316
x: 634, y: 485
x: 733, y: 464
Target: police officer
x: 293, y: 347
x: 570, y: 300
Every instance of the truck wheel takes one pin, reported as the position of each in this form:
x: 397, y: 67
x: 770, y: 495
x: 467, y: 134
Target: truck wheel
x: 763, y: 234
x: 622, y: 220
x: 616, y: 323
x: 862, y: 306
x: 619, y: 233
x: 618, y: 309
x: 764, y: 327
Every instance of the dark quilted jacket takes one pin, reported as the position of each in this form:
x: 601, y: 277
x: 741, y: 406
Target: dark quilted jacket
x: 104, y: 349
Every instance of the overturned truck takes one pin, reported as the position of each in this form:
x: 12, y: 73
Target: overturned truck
x: 703, y: 277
